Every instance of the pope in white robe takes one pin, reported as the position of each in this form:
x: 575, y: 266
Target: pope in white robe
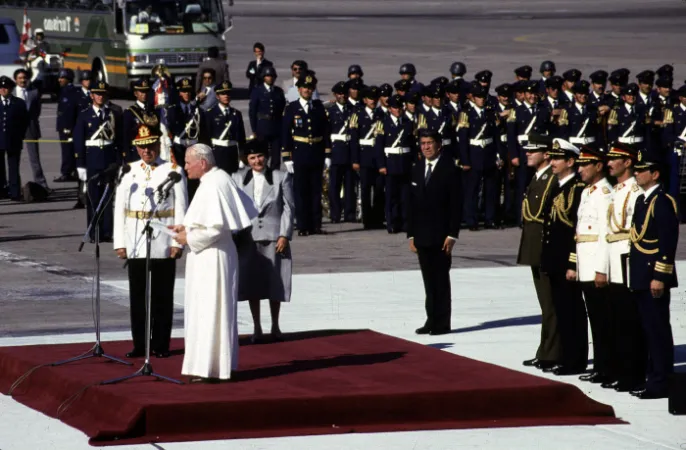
x: 218, y: 210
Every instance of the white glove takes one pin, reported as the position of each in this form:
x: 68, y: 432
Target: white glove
x: 327, y: 162
x: 82, y: 173
x: 289, y: 166
x: 240, y: 164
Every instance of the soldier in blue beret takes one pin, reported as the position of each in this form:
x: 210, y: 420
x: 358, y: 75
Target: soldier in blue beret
x: 265, y: 111
x: 396, y: 151
x: 306, y: 149
x: 14, y: 121
x: 363, y: 127
x: 341, y: 175
x: 654, y: 236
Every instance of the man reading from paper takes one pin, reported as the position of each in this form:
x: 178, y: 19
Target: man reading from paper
x: 217, y: 211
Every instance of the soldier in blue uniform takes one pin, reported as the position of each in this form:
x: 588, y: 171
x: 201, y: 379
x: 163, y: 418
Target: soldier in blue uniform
x: 408, y: 72
x: 267, y: 103
x: 83, y: 93
x: 402, y: 87
x: 353, y: 90
x: 396, y: 151
x: 484, y: 79
x: 453, y: 105
x: 362, y: 133
x: 522, y: 120
x: 570, y: 78
x: 67, y: 111
x: 645, y: 81
x: 523, y: 73
x: 355, y: 71
x: 552, y: 105
x: 441, y: 121
x: 674, y: 145
x: 598, y: 83
x: 140, y: 113
x: 341, y: 174
x: 305, y: 145
x: 96, y: 148
x: 505, y: 94
x: 628, y: 122
x: 411, y: 102
x: 547, y: 70
x: 654, y: 235
x: 385, y: 92
x: 458, y: 70
x: 579, y: 121
x: 14, y: 121
x: 480, y: 158
x: 225, y: 130
x: 618, y: 80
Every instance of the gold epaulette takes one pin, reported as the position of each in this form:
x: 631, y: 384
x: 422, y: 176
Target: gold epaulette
x: 379, y: 128
x: 612, y: 118
x: 668, y: 117
x: 606, y: 190
x: 421, y: 122
x: 512, y: 117
x: 647, y: 119
x: 564, y: 118
x: 463, y: 121
x: 635, y: 188
x: 353, y: 121
x: 453, y: 122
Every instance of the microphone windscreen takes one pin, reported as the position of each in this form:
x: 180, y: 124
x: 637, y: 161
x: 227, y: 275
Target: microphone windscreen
x: 126, y: 168
x: 174, y: 177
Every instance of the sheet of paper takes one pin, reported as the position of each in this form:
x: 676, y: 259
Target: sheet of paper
x: 159, y: 226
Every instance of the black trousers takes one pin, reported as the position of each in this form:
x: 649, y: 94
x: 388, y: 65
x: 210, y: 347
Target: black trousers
x: 68, y: 165
x: 628, y: 337
x: 602, y: 332
x: 472, y: 183
x: 96, y: 189
x: 13, y: 180
x: 549, y: 348
x: 342, y: 176
x: 435, y: 267
x: 163, y: 275
x: 397, y: 200
x: 307, y: 187
x: 658, y: 331
x: 572, y: 322
x: 372, y: 186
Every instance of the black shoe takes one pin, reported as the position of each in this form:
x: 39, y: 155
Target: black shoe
x: 531, y: 362
x: 596, y: 377
x: 551, y: 369
x: 135, y: 353
x: 649, y: 394
x: 473, y: 228
x: 543, y: 365
x: 490, y: 226
x: 440, y: 331
x: 423, y: 330
x: 568, y: 370
x: 161, y: 353
x: 628, y: 386
x: 303, y: 233
x: 610, y: 385
x: 319, y: 231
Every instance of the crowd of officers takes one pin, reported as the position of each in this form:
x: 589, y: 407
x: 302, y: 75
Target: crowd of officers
x: 601, y: 253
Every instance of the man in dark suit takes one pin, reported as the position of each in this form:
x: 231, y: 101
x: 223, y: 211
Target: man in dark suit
x: 218, y: 66
x: 252, y: 73
x: 13, y: 123
x: 31, y: 96
x: 435, y: 213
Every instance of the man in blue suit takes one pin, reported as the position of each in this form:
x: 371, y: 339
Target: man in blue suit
x: 13, y: 124
x: 267, y: 102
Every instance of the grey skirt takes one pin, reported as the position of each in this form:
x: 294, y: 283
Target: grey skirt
x: 263, y: 274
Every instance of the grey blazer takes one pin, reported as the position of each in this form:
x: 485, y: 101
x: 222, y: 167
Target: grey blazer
x: 34, y: 106
x: 275, y: 218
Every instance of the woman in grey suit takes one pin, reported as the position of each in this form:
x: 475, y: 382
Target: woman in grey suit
x: 265, y: 268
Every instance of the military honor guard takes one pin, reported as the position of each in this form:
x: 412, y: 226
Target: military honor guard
x: 137, y: 198
x: 186, y: 125
x: 341, y: 175
x: 551, y: 106
x: 654, y: 235
x: 625, y: 322
x: 628, y: 122
x: 83, y: 92
x: 546, y: 69
x: 559, y: 259
x: 570, y: 79
x: 96, y: 147
x: 305, y: 145
x: 408, y: 73
x: 140, y: 113
x: 353, y: 90
x: 534, y: 213
x: 480, y: 158
x: 67, y: 111
x: 579, y: 122
x: 505, y: 93
x: 523, y: 73
x: 645, y: 81
x: 14, y: 121
x: 458, y: 70
x: 267, y: 102
x: 396, y: 151
x: 385, y: 92
x: 598, y: 83
x: 674, y: 143
x: 265, y: 271
x: 363, y: 129
x: 439, y: 120
x: 225, y: 130
x: 592, y: 260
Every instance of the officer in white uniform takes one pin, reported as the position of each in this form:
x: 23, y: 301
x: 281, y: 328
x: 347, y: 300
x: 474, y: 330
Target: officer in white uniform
x: 136, y: 198
x: 631, y: 352
x: 592, y: 260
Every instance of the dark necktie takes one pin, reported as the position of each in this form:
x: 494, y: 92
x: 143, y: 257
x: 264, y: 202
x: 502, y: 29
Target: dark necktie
x: 555, y: 103
x: 427, y: 176
x: 101, y: 115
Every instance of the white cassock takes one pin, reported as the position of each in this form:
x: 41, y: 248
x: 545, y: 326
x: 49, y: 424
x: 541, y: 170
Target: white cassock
x: 218, y: 209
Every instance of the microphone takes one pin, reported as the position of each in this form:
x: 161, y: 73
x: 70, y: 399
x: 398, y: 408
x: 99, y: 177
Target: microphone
x: 108, y: 174
x: 164, y: 187
x: 126, y: 168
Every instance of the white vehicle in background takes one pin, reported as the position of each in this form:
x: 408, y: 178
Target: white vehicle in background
x: 9, y: 48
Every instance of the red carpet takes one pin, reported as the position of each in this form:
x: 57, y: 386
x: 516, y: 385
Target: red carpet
x: 321, y: 382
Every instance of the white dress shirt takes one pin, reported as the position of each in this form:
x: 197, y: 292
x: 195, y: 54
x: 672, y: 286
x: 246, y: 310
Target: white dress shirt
x: 258, y: 180
x: 566, y: 179
x: 305, y: 104
x: 539, y: 173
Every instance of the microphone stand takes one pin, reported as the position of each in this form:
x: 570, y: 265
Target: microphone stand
x: 146, y: 369
x: 96, y: 351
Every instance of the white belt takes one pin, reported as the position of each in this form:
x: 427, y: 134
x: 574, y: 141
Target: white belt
x: 503, y: 138
x: 581, y: 140
x: 481, y: 142
x: 446, y: 142
x: 186, y: 142
x: 523, y: 137
x: 630, y: 140
x: 396, y: 150
x: 340, y: 137
x: 224, y: 142
x: 369, y: 142
x: 98, y: 142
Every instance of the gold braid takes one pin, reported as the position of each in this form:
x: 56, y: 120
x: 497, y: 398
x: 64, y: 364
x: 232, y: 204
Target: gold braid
x: 526, y: 209
x: 620, y: 227
x: 637, y: 237
x: 560, y: 211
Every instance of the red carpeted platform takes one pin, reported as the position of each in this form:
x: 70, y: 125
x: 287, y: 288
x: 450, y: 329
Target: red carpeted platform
x: 321, y: 382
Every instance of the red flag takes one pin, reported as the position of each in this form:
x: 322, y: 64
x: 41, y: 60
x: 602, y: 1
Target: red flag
x: 26, y: 35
